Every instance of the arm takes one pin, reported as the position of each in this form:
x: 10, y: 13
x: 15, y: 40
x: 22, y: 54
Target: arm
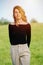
x: 28, y: 34
x: 10, y: 33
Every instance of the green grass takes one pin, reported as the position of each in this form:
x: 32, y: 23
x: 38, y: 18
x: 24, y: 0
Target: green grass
x: 36, y: 45
x: 5, y: 58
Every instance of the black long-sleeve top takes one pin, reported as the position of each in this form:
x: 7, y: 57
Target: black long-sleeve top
x: 20, y: 34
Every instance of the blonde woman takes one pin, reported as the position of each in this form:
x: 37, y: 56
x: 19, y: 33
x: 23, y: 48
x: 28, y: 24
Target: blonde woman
x: 20, y: 37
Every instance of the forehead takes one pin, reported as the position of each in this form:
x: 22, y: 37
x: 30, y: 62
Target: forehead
x: 16, y: 10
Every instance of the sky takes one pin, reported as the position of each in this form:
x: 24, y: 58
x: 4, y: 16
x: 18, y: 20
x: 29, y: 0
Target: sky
x: 33, y: 9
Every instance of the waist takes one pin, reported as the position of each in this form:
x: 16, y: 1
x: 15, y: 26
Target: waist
x: 17, y: 43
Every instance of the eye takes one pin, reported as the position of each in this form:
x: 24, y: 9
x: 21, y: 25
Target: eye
x: 16, y: 12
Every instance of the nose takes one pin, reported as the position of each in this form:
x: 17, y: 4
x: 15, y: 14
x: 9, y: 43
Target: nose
x: 17, y: 14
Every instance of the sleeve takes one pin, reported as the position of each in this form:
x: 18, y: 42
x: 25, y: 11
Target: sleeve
x: 10, y: 33
x: 28, y: 34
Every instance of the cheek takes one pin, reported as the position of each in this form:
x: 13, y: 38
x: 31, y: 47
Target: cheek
x: 19, y: 15
x: 15, y: 15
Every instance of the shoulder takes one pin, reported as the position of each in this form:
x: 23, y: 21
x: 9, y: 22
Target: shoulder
x: 29, y: 24
x: 11, y: 24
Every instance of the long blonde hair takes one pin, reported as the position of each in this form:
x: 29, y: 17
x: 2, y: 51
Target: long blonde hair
x: 21, y: 11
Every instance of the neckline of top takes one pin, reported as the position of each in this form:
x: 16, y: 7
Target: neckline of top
x: 18, y: 24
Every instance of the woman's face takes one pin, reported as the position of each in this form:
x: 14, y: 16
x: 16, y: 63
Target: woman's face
x: 17, y: 14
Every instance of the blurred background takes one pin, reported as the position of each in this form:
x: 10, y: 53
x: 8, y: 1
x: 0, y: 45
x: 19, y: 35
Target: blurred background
x: 32, y: 8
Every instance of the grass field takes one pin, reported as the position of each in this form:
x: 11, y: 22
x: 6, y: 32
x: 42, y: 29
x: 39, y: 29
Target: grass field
x: 36, y: 45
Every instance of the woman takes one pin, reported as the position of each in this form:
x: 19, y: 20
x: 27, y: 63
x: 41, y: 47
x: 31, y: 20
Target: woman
x: 20, y: 36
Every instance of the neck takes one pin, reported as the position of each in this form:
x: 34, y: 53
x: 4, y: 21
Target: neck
x: 19, y: 21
